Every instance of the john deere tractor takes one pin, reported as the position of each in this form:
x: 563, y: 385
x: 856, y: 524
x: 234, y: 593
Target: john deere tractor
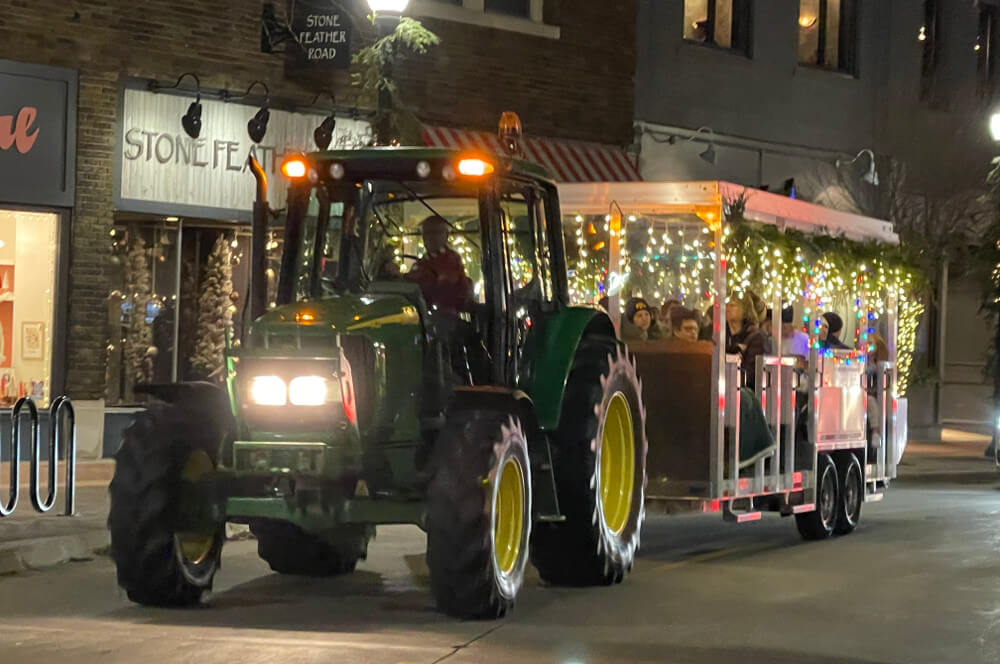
x: 380, y: 388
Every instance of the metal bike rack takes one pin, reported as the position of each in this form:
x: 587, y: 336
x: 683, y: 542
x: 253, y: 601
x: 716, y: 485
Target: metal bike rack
x: 61, y: 410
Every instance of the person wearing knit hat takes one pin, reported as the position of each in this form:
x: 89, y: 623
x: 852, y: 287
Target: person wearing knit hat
x: 639, y: 323
x: 829, y: 332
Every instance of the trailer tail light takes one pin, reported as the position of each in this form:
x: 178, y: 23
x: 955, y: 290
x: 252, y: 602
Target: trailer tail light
x: 797, y: 479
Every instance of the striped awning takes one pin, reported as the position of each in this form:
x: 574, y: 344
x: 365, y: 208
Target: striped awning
x: 569, y: 161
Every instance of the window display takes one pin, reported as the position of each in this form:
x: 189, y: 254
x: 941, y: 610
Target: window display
x: 27, y: 287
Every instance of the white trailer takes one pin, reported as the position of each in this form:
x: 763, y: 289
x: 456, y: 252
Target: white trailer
x: 834, y: 450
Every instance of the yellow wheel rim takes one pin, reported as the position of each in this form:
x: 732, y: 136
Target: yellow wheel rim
x: 508, y: 508
x: 195, y: 547
x: 617, y: 463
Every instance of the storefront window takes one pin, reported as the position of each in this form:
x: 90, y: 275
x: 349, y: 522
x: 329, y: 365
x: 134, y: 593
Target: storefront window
x: 145, y: 342
x: 27, y: 289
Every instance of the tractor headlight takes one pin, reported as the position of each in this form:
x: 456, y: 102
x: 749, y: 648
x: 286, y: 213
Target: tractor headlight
x: 308, y: 391
x: 268, y: 391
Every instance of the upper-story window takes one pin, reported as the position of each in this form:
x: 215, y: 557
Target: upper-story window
x: 723, y: 23
x: 986, y: 50
x: 520, y: 8
x: 525, y: 16
x: 828, y: 34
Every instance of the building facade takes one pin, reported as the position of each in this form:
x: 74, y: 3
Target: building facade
x: 788, y: 93
x: 142, y: 243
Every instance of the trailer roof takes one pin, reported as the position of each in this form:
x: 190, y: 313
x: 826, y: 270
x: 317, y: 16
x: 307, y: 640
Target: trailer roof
x: 761, y: 206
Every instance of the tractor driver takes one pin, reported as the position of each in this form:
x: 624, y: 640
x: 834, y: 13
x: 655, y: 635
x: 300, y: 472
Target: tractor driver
x: 440, y: 273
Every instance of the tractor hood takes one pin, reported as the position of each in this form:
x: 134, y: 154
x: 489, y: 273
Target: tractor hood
x: 311, y: 328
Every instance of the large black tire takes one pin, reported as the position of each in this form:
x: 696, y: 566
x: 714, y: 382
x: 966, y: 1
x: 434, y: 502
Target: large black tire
x: 469, y: 520
x: 586, y: 549
x: 290, y: 550
x: 852, y: 496
x: 820, y: 523
x: 160, y: 446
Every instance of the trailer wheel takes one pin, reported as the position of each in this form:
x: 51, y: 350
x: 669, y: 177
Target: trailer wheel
x: 479, y: 513
x: 157, y: 564
x: 819, y: 523
x: 852, y: 495
x: 600, y: 472
x: 288, y: 549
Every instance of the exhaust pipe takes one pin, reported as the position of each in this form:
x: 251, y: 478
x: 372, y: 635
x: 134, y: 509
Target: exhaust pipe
x: 258, y: 245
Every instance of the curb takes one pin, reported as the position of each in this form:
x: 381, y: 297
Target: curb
x: 950, y: 477
x: 43, y: 552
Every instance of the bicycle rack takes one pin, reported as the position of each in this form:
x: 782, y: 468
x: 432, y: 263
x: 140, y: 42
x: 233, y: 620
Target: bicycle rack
x: 60, y: 410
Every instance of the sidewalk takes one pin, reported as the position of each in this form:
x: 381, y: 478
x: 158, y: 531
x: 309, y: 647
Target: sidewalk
x: 29, y: 540
x: 956, y: 459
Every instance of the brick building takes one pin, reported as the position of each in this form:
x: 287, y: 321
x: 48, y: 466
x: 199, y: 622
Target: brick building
x: 118, y: 220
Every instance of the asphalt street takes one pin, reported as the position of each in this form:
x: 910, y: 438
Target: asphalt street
x: 919, y: 581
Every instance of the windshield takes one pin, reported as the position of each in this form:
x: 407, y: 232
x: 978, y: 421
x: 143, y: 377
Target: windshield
x: 379, y: 230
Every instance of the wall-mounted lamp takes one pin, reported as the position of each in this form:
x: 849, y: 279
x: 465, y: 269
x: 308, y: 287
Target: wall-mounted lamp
x: 257, y: 125
x: 871, y: 177
x: 190, y: 121
x: 807, y: 20
x: 323, y: 134
x: 708, y: 154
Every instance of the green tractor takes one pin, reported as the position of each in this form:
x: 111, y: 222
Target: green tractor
x: 381, y: 388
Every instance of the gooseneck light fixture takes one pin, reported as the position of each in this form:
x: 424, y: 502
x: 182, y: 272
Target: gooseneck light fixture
x: 323, y: 134
x: 871, y: 177
x: 190, y: 121
x: 257, y: 125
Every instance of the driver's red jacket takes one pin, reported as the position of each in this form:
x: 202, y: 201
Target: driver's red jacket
x: 443, y: 281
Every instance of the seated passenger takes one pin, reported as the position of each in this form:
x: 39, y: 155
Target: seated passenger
x: 684, y: 324
x: 663, y: 316
x: 639, y: 325
x: 440, y: 273
x: 742, y: 336
x: 794, y: 342
x: 829, y: 332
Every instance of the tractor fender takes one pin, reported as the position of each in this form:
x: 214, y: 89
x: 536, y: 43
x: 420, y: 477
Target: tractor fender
x: 551, y: 358
x: 206, y: 406
x: 518, y: 403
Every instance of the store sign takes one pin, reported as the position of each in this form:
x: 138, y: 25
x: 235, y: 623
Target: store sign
x: 323, y: 31
x: 162, y: 168
x: 37, y: 134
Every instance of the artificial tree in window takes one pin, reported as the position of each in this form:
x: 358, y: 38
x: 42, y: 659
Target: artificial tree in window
x: 138, y: 338
x: 215, y: 312
x: 188, y: 314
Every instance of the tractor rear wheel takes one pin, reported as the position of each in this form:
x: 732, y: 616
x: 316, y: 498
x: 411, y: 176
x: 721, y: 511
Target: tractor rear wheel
x: 158, y: 564
x: 479, y: 513
x: 290, y: 550
x: 600, y: 471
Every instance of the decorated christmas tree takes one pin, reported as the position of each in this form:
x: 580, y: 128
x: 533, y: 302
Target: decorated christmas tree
x: 215, y: 311
x: 138, y: 332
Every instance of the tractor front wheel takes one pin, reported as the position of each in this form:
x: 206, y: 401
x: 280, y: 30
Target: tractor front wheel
x: 479, y: 513
x: 158, y: 563
x: 600, y: 471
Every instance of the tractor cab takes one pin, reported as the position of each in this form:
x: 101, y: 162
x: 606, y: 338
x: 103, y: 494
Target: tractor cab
x: 468, y: 241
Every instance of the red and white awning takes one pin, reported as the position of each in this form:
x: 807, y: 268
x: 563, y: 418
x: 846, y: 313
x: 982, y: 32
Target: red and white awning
x: 569, y: 161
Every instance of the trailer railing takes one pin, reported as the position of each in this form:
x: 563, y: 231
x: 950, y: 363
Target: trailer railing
x: 60, y: 412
